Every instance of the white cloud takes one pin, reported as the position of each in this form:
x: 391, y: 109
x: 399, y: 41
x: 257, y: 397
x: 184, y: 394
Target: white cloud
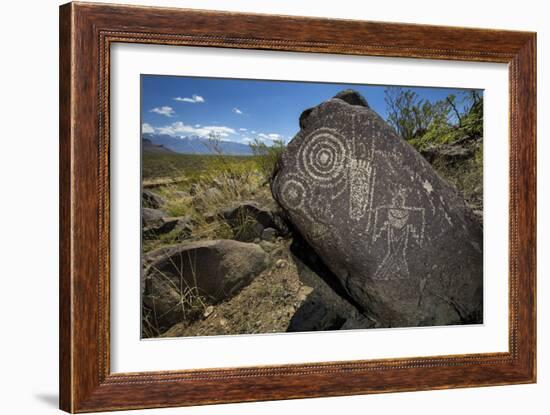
x: 178, y: 129
x: 270, y: 136
x: 237, y: 111
x: 167, y: 111
x: 147, y: 128
x: 195, y: 99
x: 242, y: 129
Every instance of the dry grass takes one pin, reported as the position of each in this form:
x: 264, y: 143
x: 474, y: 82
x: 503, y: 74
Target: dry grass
x: 191, y: 302
x: 266, y: 305
x: 200, y: 188
x: 205, y: 198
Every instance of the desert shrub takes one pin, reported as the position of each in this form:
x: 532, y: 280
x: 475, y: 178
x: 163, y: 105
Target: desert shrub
x: 266, y: 156
x: 454, y: 121
x: 423, y: 123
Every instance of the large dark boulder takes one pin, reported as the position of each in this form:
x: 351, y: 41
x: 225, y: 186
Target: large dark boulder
x: 399, y: 239
x: 180, y: 281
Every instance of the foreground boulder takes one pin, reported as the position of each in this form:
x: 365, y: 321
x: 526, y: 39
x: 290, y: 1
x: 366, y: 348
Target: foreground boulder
x: 180, y: 281
x: 399, y: 239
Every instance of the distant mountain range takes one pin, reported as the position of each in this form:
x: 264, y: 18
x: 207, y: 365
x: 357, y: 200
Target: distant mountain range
x: 151, y: 147
x: 190, y: 145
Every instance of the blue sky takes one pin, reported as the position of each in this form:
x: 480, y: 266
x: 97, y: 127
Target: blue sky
x: 241, y: 109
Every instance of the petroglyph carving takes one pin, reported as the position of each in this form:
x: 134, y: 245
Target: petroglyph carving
x: 293, y: 194
x: 362, y: 176
x: 333, y: 163
x: 339, y: 181
x: 399, y: 224
x: 323, y: 157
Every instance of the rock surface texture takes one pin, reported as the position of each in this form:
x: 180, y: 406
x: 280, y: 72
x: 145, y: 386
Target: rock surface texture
x: 151, y: 200
x: 400, y: 240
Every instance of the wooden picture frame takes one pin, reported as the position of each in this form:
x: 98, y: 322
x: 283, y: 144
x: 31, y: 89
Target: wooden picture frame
x: 86, y: 33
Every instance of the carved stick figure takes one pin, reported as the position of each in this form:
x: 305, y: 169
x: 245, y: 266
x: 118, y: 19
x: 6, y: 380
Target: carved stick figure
x: 398, y: 222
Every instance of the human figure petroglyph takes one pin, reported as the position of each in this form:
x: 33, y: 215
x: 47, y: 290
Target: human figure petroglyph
x: 400, y: 224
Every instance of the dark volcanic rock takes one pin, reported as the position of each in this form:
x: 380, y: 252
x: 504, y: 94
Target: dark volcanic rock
x: 324, y: 308
x: 184, y: 228
x: 177, y: 277
x: 400, y: 240
x: 352, y: 98
x: 151, y: 200
x: 448, y: 151
x: 154, y: 223
x: 269, y: 234
x: 249, y: 220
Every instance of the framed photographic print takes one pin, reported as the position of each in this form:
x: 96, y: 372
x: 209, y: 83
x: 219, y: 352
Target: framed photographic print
x: 261, y: 207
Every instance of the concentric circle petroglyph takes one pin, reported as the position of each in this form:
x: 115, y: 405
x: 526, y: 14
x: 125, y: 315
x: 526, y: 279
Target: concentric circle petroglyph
x: 293, y: 194
x: 323, y: 157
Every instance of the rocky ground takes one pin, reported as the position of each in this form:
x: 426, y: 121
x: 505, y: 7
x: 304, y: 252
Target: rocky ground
x: 284, y: 294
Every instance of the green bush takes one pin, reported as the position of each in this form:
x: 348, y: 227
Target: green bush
x: 267, y: 156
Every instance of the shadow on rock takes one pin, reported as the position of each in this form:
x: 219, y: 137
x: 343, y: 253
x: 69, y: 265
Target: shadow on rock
x: 327, y: 307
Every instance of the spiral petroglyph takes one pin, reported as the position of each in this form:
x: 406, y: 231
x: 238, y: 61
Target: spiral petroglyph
x: 324, y: 157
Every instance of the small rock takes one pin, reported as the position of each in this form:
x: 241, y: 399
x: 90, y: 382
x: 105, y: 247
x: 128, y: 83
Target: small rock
x: 254, y: 218
x: 269, y: 234
x: 281, y: 263
x: 151, y: 200
x: 151, y: 217
x: 155, y: 223
x: 449, y: 151
x: 303, y: 292
x: 209, y: 310
x: 267, y: 246
x: 184, y: 228
x: 352, y: 98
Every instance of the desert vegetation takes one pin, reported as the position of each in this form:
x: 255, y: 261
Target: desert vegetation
x: 448, y: 133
